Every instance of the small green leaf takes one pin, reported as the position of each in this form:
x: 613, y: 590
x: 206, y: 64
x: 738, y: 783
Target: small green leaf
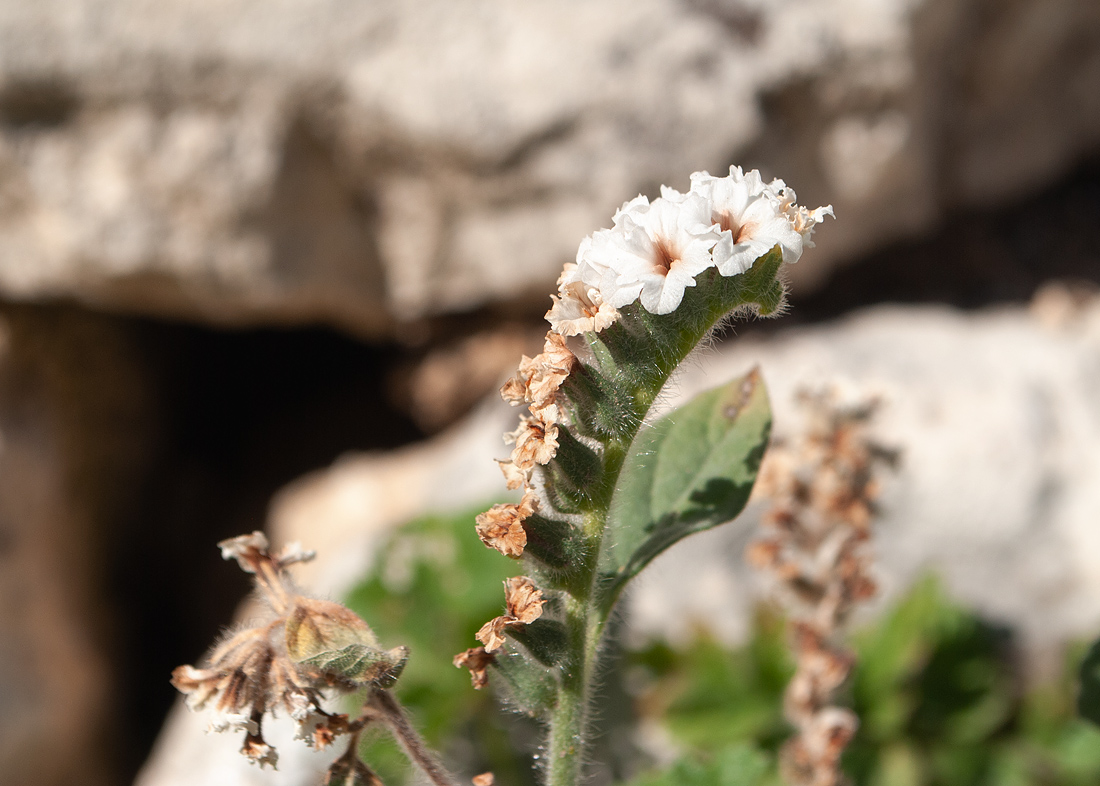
x: 528, y: 685
x: 362, y: 663
x: 334, y: 640
x: 690, y: 471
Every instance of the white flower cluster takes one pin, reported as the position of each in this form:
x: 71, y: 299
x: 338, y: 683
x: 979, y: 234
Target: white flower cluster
x: 655, y: 249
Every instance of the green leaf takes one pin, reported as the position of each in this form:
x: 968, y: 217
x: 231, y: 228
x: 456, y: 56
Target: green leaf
x: 362, y: 663
x: 528, y: 685
x: 334, y: 640
x: 1088, y: 700
x: 690, y: 471
x: 738, y: 765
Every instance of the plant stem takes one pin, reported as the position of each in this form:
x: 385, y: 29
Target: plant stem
x: 568, y: 720
x: 588, y: 605
x: 393, y: 715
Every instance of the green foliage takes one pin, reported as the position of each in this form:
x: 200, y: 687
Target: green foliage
x: 432, y: 587
x: 738, y: 765
x: 1088, y: 700
x: 940, y: 701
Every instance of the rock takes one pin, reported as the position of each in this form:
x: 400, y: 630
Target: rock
x: 349, y: 163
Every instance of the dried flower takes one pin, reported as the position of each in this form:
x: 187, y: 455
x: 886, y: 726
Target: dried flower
x: 477, y: 660
x: 285, y: 662
x: 501, y: 527
x: 523, y: 605
x: 578, y: 307
x: 514, y: 477
x: 538, y: 379
x: 536, y: 438
x: 822, y: 494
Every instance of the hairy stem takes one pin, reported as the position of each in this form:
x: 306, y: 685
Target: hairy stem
x: 641, y: 363
x: 393, y: 715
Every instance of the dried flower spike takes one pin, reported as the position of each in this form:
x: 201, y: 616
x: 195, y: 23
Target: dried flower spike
x: 815, y: 547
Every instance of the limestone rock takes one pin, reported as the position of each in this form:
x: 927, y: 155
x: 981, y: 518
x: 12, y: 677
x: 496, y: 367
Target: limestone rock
x: 366, y: 164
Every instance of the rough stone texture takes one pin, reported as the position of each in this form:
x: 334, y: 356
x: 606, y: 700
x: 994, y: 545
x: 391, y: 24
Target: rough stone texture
x: 995, y: 413
x: 368, y: 163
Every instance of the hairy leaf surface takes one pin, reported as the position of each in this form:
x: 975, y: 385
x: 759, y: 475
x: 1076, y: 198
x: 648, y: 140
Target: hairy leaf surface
x: 689, y: 471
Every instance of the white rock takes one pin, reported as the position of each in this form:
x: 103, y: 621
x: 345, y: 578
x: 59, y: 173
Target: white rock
x: 357, y: 164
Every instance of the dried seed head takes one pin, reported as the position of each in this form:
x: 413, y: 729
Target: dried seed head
x: 331, y: 639
x: 283, y: 663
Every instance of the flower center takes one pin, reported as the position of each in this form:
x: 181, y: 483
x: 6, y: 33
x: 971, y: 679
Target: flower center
x: 727, y: 223
x: 665, y: 256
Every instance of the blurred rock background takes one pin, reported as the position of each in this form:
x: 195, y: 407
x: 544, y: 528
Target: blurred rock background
x: 241, y: 240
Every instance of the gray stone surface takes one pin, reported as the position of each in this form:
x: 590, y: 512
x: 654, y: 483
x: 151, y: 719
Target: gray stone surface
x: 364, y: 164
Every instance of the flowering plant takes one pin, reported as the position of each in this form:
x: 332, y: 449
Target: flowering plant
x: 604, y: 486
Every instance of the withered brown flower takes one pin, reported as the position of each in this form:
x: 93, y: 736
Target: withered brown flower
x: 284, y: 662
x: 523, y: 605
x: 477, y: 660
x: 501, y: 527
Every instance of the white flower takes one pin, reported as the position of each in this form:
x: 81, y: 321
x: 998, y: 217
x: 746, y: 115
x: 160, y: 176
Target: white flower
x: 750, y: 216
x: 578, y: 307
x: 654, y: 252
x: 802, y: 219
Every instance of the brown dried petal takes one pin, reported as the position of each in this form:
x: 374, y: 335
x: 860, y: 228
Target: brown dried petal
x: 556, y: 355
x: 536, y: 440
x: 246, y: 549
x: 523, y: 599
x: 501, y: 528
x: 484, y: 779
x: 514, y: 391
x: 477, y: 660
x: 514, y: 477
x: 491, y: 634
